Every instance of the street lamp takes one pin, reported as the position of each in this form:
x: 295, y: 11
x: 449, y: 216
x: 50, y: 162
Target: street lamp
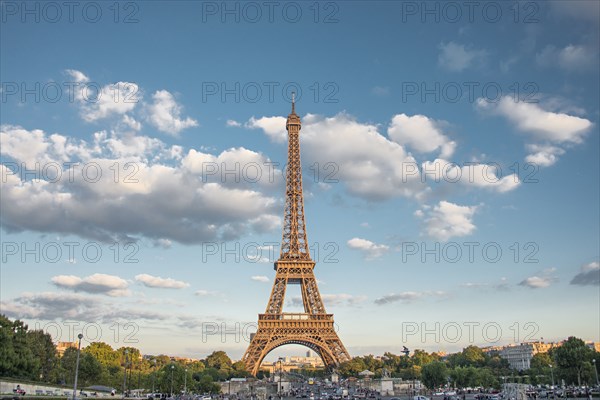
x: 125, y: 371
x: 185, y: 382
x: 596, y: 371
x: 552, y: 373
x: 172, y: 368
x: 280, y: 361
x: 80, y: 336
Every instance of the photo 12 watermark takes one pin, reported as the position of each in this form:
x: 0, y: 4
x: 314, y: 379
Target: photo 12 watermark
x: 455, y: 12
x: 268, y: 91
x: 252, y: 12
x: 471, y: 252
x: 53, y: 12
x: 467, y: 332
x: 67, y: 331
x: 53, y: 252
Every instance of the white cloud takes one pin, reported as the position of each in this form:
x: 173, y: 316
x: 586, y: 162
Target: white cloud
x: 371, y: 250
x: 541, y: 124
x: 78, y: 76
x: 478, y: 175
x: 237, y: 167
x: 274, y: 127
x: 97, y: 283
x: 573, y: 58
x: 29, y: 147
x: 457, y: 57
x: 588, y: 275
x: 536, y: 282
x: 370, y: 165
x: 549, y: 129
x: 447, y: 220
x: 543, y: 155
x: 233, y: 123
x: 260, y: 278
x: 155, y: 195
x: 542, y: 280
x: 165, y: 114
x: 421, y: 133
x: 158, y: 282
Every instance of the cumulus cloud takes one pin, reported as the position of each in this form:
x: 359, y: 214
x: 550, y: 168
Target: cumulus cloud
x: 274, y: 127
x: 99, y: 102
x: 541, y: 124
x: 146, y: 189
x: 536, y: 282
x: 447, y: 220
x: 97, y: 283
x: 158, y: 282
x: 234, y: 167
x: 233, y: 123
x: 543, y: 155
x: 48, y: 306
x: 165, y: 114
x: 370, y: 165
x: 457, y: 57
x: 376, y: 168
x: 549, y: 129
x: 478, y: 175
x: 421, y: 133
x: 588, y: 275
x: 541, y: 280
x: 260, y: 278
x: 370, y: 250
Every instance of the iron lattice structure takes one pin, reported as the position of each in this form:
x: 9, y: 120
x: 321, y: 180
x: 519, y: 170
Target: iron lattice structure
x: 314, y: 328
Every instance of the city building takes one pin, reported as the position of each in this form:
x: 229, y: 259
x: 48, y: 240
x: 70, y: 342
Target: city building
x: 519, y: 355
x: 61, y: 347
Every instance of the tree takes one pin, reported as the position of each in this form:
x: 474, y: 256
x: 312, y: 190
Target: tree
x: 434, y: 374
x: 104, y: 353
x: 17, y: 359
x: 206, y: 385
x: 218, y: 360
x: 571, y: 357
x: 44, y: 352
x: 421, y: 357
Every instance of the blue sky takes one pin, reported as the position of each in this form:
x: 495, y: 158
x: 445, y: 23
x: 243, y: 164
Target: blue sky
x: 450, y: 169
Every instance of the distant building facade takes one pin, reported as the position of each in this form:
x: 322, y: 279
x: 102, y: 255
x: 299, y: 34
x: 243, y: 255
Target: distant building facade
x: 519, y: 355
x: 61, y: 347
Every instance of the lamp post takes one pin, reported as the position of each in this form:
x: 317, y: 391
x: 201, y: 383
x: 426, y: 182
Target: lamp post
x: 172, y: 368
x: 185, y: 383
x: 596, y: 371
x: 552, y: 374
x: 125, y: 371
x: 80, y: 336
x: 280, y: 361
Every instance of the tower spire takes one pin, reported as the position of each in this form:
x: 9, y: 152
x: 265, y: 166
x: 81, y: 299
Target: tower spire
x: 293, y: 102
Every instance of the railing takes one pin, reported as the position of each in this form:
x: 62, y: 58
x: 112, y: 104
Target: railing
x: 295, y: 317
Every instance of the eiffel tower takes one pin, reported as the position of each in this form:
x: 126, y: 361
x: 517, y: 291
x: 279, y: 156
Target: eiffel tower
x: 313, y: 328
